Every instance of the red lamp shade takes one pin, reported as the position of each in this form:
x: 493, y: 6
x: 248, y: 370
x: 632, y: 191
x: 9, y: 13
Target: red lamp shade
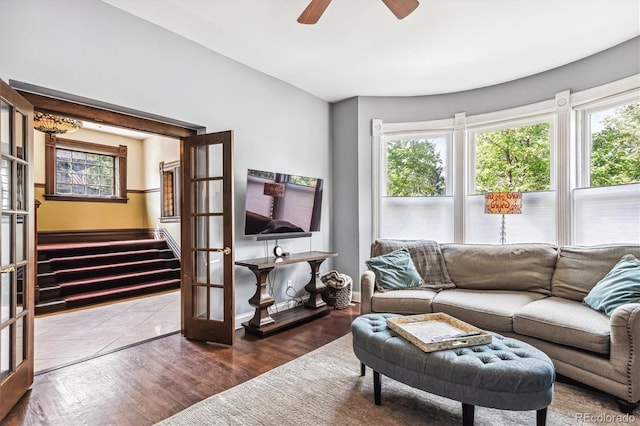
x: 503, y: 202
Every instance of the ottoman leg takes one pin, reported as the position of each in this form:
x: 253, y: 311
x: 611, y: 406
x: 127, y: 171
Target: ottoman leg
x: 467, y: 414
x: 376, y: 387
x: 541, y: 417
x: 362, y: 368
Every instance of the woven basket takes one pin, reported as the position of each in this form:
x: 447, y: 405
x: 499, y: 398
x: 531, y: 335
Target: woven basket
x: 339, y: 298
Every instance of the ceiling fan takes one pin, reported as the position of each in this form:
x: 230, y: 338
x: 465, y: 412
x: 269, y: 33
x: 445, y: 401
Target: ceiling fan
x: 313, y: 12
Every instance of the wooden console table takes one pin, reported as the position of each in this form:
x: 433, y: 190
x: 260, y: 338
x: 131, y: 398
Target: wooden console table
x: 262, y: 324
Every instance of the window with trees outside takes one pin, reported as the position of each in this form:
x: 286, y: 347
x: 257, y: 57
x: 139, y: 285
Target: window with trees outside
x: 512, y: 157
x: 83, y: 171
x: 575, y: 158
x: 608, y: 192
x: 415, y: 187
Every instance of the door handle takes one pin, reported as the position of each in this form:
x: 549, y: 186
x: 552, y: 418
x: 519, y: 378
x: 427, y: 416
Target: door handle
x: 226, y: 251
x: 7, y: 269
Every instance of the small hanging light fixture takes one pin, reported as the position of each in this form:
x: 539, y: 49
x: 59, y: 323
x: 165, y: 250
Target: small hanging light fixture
x: 54, y: 124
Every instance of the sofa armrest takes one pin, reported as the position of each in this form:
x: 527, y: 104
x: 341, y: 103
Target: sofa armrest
x: 625, y: 346
x: 367, y: 287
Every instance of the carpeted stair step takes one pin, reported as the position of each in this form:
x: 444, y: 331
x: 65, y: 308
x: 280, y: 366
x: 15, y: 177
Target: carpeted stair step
x: 97, y: 296
x: 50, y: 307
x: 88, y: 272
x: 120, y: 280
x: 52, y: 251
x: 94, y: 272
x: 49, y: 293
x: 71, y: 262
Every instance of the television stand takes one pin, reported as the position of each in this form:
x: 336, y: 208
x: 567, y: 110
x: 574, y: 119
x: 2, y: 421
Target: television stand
x: 263, y: 324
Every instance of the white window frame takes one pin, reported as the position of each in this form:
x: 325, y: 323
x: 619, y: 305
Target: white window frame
x: 422, y: 135
x: 509, y: 124
x: 583, y: 131
x: 566, y: 114
x: 382, y: 133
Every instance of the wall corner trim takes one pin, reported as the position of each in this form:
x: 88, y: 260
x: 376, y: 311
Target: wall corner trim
x: 376, y: 127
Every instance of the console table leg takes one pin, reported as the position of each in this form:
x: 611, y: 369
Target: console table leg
x: 315, y: 286
x: 261, y: 300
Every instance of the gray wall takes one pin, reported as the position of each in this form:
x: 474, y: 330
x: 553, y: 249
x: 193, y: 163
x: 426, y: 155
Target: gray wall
x: 346, y: 199
x: 610, y: 65
x: 91, y: 49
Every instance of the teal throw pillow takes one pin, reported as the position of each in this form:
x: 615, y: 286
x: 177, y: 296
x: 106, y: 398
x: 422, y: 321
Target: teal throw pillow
x: 621, y: 285
x: 395, y: 271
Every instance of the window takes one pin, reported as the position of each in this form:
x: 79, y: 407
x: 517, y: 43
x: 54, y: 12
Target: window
x: 607, y: 199
x: 515, y: 156
x: 83, y: 171
x: 170, y: 191
x: 612, y: 136
x: 575, y: 158
x: 416, y: 195
x: 513, y: 159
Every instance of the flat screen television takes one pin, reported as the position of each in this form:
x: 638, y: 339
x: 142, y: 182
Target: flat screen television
x: 279, y: 205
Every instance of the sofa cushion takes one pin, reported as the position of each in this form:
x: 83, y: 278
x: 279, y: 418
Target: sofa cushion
x: 491, y: 310
x: 620, y: 286
x: 565, y: 322
x: 579, y: 268
x: 394, y: 271
x: 413, y: 301
x: 525, y: 267
x: 427, y: 258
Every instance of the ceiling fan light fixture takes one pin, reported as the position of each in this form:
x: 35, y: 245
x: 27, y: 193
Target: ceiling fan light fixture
x: 54, y: 124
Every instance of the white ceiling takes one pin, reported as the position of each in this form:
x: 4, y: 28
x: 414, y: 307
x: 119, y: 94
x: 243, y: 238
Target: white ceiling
x: 358, y: 48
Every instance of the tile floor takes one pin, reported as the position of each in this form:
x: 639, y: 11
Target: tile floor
x: 71, y: 336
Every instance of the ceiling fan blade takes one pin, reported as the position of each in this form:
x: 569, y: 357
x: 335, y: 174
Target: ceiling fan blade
x: 313, y: 12
x: 401, y: 8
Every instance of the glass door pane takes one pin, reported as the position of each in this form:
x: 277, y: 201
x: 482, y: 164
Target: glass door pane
x: 208, y: 232
x: 5, y: 127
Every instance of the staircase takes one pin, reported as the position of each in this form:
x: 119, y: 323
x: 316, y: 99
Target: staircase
x: 80, y: 274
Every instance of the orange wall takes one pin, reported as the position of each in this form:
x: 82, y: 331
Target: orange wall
x: 142, y: 209
x: 78, y: 215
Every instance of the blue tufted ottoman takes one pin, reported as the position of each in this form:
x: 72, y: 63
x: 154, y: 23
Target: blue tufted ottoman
x: 506, y: 374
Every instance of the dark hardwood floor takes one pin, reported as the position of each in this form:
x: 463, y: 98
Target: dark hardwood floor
x: 144, y: 384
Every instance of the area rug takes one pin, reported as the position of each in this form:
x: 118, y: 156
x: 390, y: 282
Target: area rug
x: 324, y: 387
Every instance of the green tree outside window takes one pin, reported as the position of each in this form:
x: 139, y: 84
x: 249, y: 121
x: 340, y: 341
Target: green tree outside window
x: 615, y: 149
x: 414, y: 169
x: 519, y: 158
x: 515, y: 159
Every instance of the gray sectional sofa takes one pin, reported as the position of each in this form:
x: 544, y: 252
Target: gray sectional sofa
x: 532, y: 292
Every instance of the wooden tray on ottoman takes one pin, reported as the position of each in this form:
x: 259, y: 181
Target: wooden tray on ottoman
x: 435, y: 332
